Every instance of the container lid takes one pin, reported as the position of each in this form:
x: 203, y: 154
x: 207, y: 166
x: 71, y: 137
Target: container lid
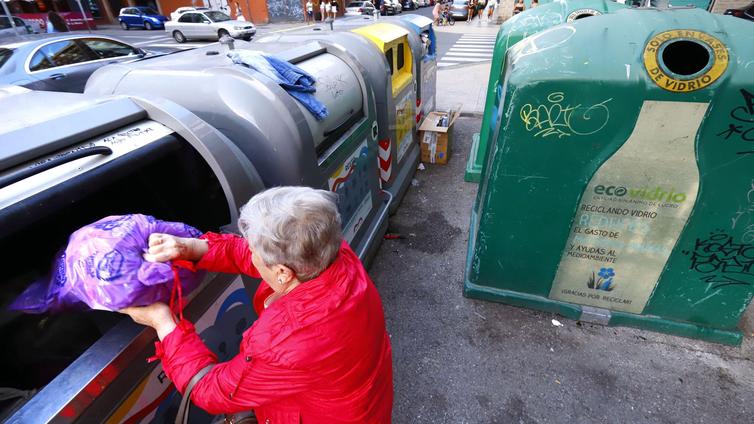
x: 382, y: 34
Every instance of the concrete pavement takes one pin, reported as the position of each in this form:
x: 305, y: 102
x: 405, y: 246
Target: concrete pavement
x: 464, y: 85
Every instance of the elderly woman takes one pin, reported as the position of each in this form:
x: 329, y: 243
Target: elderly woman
x: 319, y: 352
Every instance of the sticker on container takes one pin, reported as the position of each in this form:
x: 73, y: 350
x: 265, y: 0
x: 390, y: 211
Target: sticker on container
x: 404, y: 123
x: 683, y: 60
x: 218, y: 326
x: 351, y: 182
x: 632, y: 212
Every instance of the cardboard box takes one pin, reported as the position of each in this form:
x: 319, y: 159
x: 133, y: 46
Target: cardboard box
x: 435, y: 141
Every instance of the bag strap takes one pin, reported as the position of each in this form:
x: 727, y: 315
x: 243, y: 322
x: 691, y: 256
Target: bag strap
x: 183, y: 410
x: 176, y: 292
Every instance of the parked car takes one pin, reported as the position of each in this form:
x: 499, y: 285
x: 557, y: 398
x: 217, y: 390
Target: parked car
x: 422, y: 3
x: 357, y: 8
x: 459, y: 9
x: 409, y: 4
x: 209, y: 24
x: 141, y: 17
x: 746, y: 12
x: 22, y: 28
x: 391, y: 7
x: 57, y: 62
x: 181, y: 10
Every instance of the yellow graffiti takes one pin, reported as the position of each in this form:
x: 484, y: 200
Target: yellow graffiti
x: 558, y: 118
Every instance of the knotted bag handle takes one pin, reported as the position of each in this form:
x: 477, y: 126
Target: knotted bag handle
x: 176, y: 293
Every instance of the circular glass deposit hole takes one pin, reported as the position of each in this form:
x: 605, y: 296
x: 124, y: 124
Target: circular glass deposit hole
x: 685, y: 57
x: 583, y: 15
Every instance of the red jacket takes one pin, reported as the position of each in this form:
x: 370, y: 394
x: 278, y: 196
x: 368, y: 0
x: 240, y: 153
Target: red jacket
x: 320, y: 354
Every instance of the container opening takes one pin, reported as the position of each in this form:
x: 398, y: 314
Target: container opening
x: 389, y: 56
x: 583, y: 15
x: 167, y: 179
x: 400, y: 58
x: 685, y: 57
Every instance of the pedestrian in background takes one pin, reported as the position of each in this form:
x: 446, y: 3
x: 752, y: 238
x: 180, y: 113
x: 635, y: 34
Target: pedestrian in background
x: 56, y: 23
x: 534, y: 3
x: 472, y: 8
x: 479, y: 10
x: 436, y: 12
x: 309, y: 12
x: 334, y: 8
x: 322, y: 11
x: 519, y: 7
x: 491, y: 5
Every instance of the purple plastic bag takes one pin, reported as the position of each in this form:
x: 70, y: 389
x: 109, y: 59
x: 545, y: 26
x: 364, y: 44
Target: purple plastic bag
x: 103, y: 267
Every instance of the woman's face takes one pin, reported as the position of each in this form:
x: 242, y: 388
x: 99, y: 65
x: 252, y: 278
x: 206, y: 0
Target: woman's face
x: 276, y: 276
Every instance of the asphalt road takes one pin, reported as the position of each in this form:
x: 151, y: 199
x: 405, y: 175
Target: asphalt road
x: 161, y: 39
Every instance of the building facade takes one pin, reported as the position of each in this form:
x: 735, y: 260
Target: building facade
x: 106, y: 11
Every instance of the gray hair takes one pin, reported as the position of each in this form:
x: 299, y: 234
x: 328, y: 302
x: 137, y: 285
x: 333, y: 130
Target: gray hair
x: 298, y: 227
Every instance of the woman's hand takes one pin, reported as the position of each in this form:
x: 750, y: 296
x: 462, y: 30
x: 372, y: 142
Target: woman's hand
x: 157, y: 315
x: 166, y: 247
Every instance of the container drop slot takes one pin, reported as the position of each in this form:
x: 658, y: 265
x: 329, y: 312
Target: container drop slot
x: 167, y: 179
x: 21, y: 174
x: 582, y: 16
x: 685, y: 57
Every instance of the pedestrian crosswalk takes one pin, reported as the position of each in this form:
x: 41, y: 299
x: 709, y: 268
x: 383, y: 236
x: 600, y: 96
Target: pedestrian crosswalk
x: 468, y: 49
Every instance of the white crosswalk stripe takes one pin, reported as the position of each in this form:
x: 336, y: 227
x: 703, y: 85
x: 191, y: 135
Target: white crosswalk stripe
x: 468, y: 49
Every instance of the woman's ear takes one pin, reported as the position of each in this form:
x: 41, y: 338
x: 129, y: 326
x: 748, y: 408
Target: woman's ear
x: 284, y: 274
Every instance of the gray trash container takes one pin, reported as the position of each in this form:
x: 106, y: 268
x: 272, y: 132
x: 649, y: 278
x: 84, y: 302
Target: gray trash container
x: 424, y: 46
x: 67, y: 160
x: 396, y: 169
x: 284, y: 141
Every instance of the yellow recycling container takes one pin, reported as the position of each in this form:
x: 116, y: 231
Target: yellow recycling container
x: 399, y: 154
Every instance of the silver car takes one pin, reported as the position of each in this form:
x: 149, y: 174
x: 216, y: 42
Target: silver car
x: 209, y: 24
x: 62, y: 62
x: 21, y: 28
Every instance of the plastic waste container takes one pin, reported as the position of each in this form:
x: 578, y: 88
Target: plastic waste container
x: 399, y: 155
x: 285, y: 142
x: 394, y: 177
x: 67, y: 160
x: 511, y: 32
x: 424, y: 49
x: 618, y: 186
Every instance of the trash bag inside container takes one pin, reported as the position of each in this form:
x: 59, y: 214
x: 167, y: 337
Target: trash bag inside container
x: 103, y: 268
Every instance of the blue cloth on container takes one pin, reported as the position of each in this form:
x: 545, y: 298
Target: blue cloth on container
x: 297, y: 82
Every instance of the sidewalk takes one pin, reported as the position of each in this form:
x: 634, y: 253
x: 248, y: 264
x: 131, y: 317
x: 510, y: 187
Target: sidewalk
x: 465, y: 85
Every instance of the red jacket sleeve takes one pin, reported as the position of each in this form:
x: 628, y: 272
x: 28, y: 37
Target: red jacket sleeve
x: 227, y: 253
x: 234, y: 386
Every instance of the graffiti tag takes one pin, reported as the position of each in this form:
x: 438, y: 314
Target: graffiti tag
x: 335, y: 85
x: 744, y: 217
x: 558, y: 118
x: 718, y: 256
x: 742, y: 121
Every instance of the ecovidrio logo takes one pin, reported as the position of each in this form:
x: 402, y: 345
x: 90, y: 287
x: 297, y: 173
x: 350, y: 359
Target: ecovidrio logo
x: 644, y: 193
